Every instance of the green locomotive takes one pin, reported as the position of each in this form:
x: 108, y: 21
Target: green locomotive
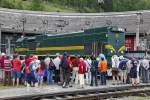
x: 106, y: 40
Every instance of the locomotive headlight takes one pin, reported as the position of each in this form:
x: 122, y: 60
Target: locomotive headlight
x: 111, y: 51
x: 122, y: 52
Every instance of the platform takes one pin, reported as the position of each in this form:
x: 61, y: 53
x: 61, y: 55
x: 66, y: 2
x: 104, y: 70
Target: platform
x: 6, y: 94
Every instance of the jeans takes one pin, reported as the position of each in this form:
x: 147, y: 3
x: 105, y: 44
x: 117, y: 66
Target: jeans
x: 66, y: 76
x: 57, y: 76
x: 94, y: 79
x: 32, y: 77
x: 88, y: 77
x: 103, y: 78
x: 144, y: 75
x: 36, y: 75
x: 49, y: 76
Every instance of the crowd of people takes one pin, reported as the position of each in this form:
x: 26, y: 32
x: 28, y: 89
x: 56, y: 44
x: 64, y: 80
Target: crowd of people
x: 69, y: 71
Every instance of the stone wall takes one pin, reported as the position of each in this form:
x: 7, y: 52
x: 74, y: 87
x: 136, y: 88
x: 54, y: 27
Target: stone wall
x: 41, y: 22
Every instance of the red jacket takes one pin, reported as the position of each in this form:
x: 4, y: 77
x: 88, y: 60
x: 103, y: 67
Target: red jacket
x: 28, y: 61
x: 82, y: 67
x: 69, y: 62
x: 75, y: 62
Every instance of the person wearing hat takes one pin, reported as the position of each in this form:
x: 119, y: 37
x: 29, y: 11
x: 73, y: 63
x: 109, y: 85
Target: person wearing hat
x: 103, y: 70
x: 81, y: 72
x: 47, y: 61
x: 115, y: 68
x: 123, y: 69
x: 88, y: 62
x: 34, y: 65
x: 64, y: 70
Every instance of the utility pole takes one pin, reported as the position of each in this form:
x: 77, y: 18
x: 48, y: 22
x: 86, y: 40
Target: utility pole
x: 138, y: 30
x: 147, y: 45
x: 0, y: 37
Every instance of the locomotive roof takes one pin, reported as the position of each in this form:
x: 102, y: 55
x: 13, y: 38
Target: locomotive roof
x: 87, y: 31
x: 65, y: 33
x: 79, y: 32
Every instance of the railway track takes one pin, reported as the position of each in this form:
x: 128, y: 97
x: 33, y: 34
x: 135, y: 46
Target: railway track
x: 89, y: 94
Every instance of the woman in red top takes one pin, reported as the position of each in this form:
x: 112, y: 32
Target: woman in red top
x: 16, y: 69
x: 81, y: 72
x: 75, y: 63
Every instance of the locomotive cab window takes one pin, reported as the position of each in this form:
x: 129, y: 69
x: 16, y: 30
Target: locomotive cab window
x: 32, y: 43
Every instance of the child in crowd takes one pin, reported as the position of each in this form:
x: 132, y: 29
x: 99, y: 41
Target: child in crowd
x: 41, y: 72
x: 34, y: 65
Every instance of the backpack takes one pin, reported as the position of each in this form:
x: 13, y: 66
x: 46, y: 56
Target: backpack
x: 27, y: 70
x: 122, y: 65
x: 51, y: 65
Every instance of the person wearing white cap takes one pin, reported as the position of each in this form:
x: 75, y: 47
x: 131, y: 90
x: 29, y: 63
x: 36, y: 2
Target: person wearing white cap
x: 81, y: 72
x: 34, y: 65
x: 88, y: 63
x: 3, y: 54
x: 47, y: 61
x: 115, y: 65
x: 123, y: 69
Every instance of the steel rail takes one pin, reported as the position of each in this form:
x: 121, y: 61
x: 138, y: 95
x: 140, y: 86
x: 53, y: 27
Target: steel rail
x: 86, y: 93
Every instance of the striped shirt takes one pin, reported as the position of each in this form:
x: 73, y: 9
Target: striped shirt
x: 7, y: 65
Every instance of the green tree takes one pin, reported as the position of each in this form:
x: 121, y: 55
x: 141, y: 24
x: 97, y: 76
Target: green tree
x: 130, y: 5
x: 36, y: 5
